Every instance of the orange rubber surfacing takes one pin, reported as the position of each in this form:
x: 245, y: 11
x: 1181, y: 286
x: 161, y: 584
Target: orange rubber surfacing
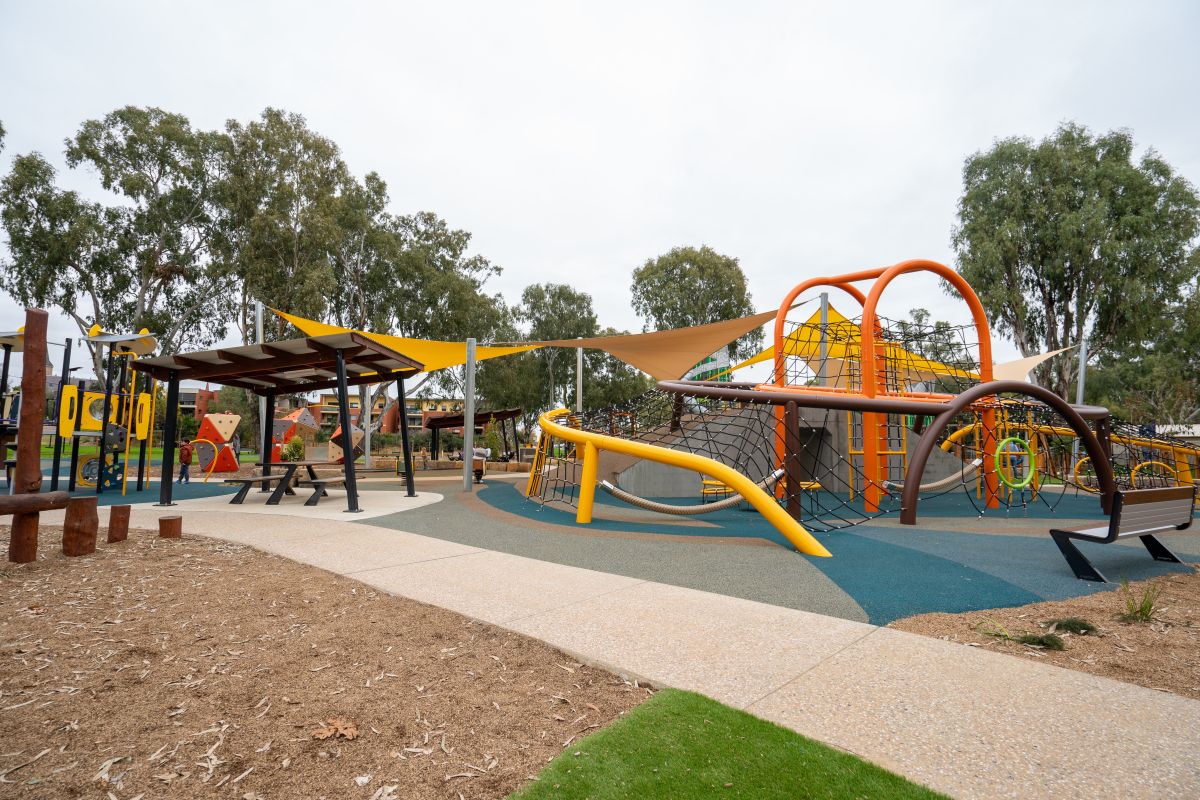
x: 874, y: 369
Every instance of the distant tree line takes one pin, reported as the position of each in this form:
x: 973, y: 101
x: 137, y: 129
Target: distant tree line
x: 197, y: 225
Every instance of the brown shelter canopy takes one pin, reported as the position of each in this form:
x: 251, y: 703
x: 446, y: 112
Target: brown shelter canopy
x: 289, y: 366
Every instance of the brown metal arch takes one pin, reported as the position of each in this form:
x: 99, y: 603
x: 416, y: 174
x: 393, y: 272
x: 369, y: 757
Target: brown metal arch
x: 916, y: 466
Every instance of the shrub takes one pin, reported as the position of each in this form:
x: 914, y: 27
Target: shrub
x: 1139, y: 609
x: 293, y: 450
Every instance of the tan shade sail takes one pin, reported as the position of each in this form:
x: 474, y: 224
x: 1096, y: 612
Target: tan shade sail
x: 1019, y: 370
x: 669, y: 355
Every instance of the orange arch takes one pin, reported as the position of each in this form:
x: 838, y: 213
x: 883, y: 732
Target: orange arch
x: 842, y: 282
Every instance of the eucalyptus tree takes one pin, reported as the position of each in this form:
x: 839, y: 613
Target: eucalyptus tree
x: 694, y: 286
x: 1072, y: 234
x: 144, y: 260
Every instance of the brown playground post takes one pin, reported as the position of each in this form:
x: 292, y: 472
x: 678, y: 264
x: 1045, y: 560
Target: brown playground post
x: 170, y: 527
x: 79, y: 527
x: 27, y: 476
x: 118, y: 523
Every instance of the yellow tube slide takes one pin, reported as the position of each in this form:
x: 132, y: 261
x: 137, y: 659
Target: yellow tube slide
x: 593, y: 443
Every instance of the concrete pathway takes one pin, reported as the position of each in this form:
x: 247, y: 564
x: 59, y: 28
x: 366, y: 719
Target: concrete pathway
x: 967, y: 722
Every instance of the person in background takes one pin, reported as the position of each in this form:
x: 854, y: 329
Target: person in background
x: 185, y: 461
x: 478, y: 460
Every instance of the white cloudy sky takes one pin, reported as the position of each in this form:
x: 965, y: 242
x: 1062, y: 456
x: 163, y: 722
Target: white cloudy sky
x: 575, y: 140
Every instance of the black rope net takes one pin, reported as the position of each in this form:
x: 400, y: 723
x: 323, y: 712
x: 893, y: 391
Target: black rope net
x: 1003, y: 455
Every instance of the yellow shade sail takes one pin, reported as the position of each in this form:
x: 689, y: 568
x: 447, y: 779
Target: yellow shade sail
x: 843, y: 343
x: 433, y: 354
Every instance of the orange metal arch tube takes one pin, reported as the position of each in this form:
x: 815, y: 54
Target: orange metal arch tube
x: 872, y: 443
x: 842, y: 282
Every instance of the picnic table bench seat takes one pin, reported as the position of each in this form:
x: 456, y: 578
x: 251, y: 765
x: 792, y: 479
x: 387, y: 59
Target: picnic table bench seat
x: 1135, y: 512
x: 319, y: 485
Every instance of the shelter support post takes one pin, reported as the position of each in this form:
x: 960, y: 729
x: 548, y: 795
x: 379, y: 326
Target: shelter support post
x: 469, y: 418
x: 266, y: 443
x: 406, y: 447
x: 166, y: 478
x: 347, y: 434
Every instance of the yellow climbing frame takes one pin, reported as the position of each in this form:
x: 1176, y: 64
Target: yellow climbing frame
x: 590, y: 444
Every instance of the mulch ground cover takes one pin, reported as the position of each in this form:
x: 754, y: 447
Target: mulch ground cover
x: 1161, y: 652
x: 198, y: 668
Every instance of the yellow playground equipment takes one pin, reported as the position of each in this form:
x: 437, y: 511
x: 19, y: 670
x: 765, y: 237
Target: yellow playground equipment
x: 115, y: 418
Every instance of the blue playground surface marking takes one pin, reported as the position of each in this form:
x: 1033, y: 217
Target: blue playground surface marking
x: 898, y: 572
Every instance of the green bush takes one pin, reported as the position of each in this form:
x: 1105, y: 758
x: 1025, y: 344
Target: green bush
x: 293, y: 450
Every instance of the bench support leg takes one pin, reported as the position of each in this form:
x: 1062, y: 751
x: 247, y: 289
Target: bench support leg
x: 1079, y: 564
x: 316, y: 496
x: 241, y: 494
x: 1159, y: 550
x: 284, y: 487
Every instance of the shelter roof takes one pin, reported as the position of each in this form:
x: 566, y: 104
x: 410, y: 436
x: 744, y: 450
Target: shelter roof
x: 481, y: 418
x: 289, y: 366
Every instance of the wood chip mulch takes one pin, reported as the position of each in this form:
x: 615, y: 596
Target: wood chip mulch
x: 197, y: 668
x: 1161, y: 654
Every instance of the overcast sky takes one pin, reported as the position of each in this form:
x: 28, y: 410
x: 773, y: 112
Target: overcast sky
x: 576, y: 140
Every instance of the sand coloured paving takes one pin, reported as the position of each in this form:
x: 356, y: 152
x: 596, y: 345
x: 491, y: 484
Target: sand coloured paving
x: 202, y: 668
x: 1162, y: 654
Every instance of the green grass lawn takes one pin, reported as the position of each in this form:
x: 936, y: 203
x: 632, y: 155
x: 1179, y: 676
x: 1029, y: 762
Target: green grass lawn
x: 683, y: 745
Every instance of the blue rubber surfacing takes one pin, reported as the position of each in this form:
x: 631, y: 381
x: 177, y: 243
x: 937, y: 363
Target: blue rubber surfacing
x: 894, y: 573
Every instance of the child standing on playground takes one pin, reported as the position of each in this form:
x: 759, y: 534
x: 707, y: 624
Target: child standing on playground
x: 185, y: 461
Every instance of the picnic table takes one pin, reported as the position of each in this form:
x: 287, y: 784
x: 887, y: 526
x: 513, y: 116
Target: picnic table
x: 284, y: 478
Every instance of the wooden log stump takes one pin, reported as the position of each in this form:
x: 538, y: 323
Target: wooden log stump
x: 79, y: 527
x: 22, y: 542
x: 170, y: 527
x: 118, y: 523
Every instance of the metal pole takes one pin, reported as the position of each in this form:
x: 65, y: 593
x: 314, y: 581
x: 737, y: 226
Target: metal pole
x: 266, y: 445
x: 822, y: 368
x: 258, y: 337
x: 469, y: 417
x: 56, y: 464
x: 347, y: 435
x: 4, y: 375
x: 367, y: 406
x: 166, y: 479
x: 71, y: 470
x: 1079, y: 392
x: 406, y: 448
x: 102, y: 472
x: 579, y: 379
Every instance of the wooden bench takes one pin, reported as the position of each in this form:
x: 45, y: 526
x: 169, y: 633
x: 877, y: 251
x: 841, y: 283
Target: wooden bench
x: 319, y: 485
x: 285, y: 486
x: 1137, y: 512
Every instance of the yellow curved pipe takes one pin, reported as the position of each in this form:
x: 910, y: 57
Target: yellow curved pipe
x: 766, y: 505
x: 1133, y: 475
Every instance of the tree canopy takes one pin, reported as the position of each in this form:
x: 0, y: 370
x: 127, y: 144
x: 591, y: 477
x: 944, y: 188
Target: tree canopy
x: 1073, y: 234
x: 694, y: 286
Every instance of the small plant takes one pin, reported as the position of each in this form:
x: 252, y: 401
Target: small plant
x: 1139, y: 609
x: 1049, y: 641
x: 1072, y: 625
x: 293, y: 450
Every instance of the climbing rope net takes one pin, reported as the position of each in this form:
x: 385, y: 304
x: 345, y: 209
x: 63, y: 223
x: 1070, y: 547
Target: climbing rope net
x: 1004, y: 454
